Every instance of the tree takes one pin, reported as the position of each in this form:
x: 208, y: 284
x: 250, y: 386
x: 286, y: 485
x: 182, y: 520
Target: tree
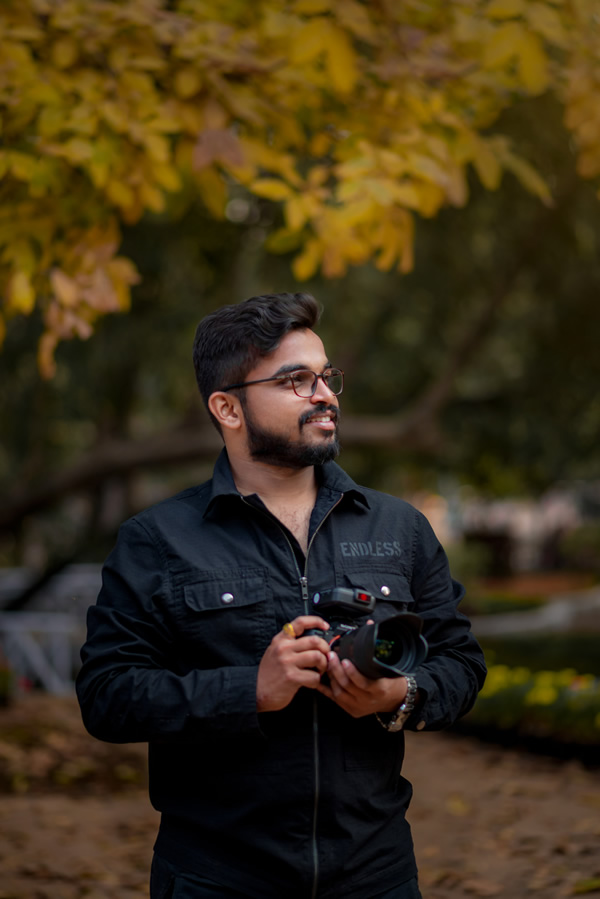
x: 353, y: 116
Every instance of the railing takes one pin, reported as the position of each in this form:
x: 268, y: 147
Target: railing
x: 42, y: 647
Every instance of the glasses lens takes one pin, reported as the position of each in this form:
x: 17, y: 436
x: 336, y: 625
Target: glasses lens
x: 303, y: 382
x: 334, y: 380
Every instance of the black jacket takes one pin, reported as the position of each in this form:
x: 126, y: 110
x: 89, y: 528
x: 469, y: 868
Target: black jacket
x: 302, y: 802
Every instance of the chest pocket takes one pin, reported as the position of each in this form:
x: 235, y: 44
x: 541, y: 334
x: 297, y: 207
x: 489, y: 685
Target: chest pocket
x: 390, y: 589
x: 226, y: 617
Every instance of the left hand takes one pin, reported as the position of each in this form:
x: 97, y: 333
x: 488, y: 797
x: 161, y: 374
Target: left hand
x: 359, y: 695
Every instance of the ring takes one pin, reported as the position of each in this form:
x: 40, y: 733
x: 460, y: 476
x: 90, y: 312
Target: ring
x: 288, y: 630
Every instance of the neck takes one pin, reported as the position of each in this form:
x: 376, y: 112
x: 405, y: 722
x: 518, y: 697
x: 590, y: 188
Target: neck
x: 272, y: 483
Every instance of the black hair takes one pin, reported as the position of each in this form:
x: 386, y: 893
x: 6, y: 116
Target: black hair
x: 230, y: 341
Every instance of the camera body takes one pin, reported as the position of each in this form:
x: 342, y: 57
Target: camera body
x: 389, y: 648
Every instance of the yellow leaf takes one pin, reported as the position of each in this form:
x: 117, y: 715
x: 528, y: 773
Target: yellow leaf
x: 21, y: 295
x: 311, y: 7
x: 388, y: 240
x: 486, y: 164
x: 334, y: 263
x: 64, y: 52
x: 547, y: 22
x: 502, y: 45
x: 528, y: 176
x: 76, y: 150
x: 45, y: 355
x: 22, y: 166
x: 505, y: 9
x: 306, y: 263
x: 407, y: 252
x: 456, y: 186
x: 213, y: 191
x: 355, y: 17
x: 122, y: 274
x: 271, y: 189
x: 283, y: 241
x: 533, y: 64
x: 157, y: 146
x: 151, y: 197
x: 341, y: 61
x: 167, y: 176
x: 65, y: 288
x: 187, y: 82
x: 320, y: 144
x: 295, y: 213
x: 407, y: 194
x: 360, y: 211
x: 310, y: 41
x: 120, y: 194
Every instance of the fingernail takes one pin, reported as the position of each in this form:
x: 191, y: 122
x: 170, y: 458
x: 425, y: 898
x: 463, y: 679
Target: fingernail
x: 345, y: 663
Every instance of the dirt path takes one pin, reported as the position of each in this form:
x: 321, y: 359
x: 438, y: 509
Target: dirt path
x: 487, y: 822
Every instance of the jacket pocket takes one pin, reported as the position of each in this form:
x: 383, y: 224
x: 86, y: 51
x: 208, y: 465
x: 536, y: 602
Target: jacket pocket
x: 226, y: 617
x: 390, y: 589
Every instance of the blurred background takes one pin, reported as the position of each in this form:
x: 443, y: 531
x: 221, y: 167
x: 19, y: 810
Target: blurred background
x: 429, y: 173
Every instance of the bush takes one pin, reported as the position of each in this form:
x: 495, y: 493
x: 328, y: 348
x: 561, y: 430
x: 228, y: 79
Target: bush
x: 563, y: 706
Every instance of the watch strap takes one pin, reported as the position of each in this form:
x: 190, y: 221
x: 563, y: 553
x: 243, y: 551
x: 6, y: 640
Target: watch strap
x: 405, y: 710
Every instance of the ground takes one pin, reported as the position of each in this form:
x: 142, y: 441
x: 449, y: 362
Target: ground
x: 75, y: 820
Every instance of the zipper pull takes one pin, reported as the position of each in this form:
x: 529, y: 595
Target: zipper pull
x: 305, y: 597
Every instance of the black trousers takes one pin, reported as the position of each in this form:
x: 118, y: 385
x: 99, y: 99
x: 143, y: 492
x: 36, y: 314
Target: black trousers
x: 169, y: 882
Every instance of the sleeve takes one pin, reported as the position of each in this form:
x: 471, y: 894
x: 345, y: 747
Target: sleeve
x: 454, y: 670
x: 129, y: 688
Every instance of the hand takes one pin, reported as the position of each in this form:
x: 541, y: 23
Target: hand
x: 359, y: 695
x: 290, y: 663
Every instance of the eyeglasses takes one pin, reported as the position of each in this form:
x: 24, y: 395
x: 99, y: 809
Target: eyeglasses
x: 303, y: 381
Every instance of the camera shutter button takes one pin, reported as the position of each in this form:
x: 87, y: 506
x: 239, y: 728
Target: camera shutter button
x: 385, y: 591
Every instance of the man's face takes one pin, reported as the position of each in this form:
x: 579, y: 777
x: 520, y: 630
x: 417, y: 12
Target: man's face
x: 284, y: 429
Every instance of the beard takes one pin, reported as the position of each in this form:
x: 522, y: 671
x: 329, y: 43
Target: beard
x: 275, y: 449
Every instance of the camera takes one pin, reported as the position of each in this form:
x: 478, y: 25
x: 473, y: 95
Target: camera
x: 389, y: 648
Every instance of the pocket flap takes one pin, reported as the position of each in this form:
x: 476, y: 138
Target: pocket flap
x: 226, y: 590
x: 384, y: 585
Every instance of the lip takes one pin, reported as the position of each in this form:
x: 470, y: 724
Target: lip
x: 325, y: 423
x: 324, y: 418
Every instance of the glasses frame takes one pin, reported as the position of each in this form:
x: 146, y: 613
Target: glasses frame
x: 288, y: 376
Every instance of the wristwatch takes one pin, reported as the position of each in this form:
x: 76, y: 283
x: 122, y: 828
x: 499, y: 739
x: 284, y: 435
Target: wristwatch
x: 404, y: 711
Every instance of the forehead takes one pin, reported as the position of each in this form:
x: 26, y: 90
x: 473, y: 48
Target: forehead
x: 300, y: 349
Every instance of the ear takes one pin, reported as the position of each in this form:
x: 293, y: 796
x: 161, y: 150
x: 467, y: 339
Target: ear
x: 226, y: 409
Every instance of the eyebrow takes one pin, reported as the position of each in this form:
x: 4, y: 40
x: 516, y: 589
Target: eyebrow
x: 287, y: 369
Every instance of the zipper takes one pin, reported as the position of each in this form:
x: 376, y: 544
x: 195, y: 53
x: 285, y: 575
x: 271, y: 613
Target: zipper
x: 303, y: 580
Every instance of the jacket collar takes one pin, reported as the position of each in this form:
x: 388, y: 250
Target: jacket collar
x: 330, y: 476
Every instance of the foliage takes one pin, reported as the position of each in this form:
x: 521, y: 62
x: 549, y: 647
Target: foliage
x: 353, y: 117
x: 557, y: 705
x: 554, y: 651
x: 578, y: 548
x: 497, y: 603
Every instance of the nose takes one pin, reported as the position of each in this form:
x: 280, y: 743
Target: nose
x: 323, y: 394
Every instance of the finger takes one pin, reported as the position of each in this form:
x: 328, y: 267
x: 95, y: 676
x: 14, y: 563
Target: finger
x: 307, y: 622
x: 312, y: 641
x: 355, y: 677
x: 337, y: 673
x: 296, y: 627
x: 313, y: 659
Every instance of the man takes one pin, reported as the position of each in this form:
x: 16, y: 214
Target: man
x: 272, y: 780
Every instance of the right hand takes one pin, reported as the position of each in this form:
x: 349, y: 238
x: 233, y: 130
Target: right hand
x: 290, y: 663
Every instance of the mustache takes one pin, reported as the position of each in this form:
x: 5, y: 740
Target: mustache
x: 319, y: 409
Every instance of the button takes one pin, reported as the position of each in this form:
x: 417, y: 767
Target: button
x: 227, y: 598
x: 420, y: 725
x: 385, y: 591
x: 317, y: 598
